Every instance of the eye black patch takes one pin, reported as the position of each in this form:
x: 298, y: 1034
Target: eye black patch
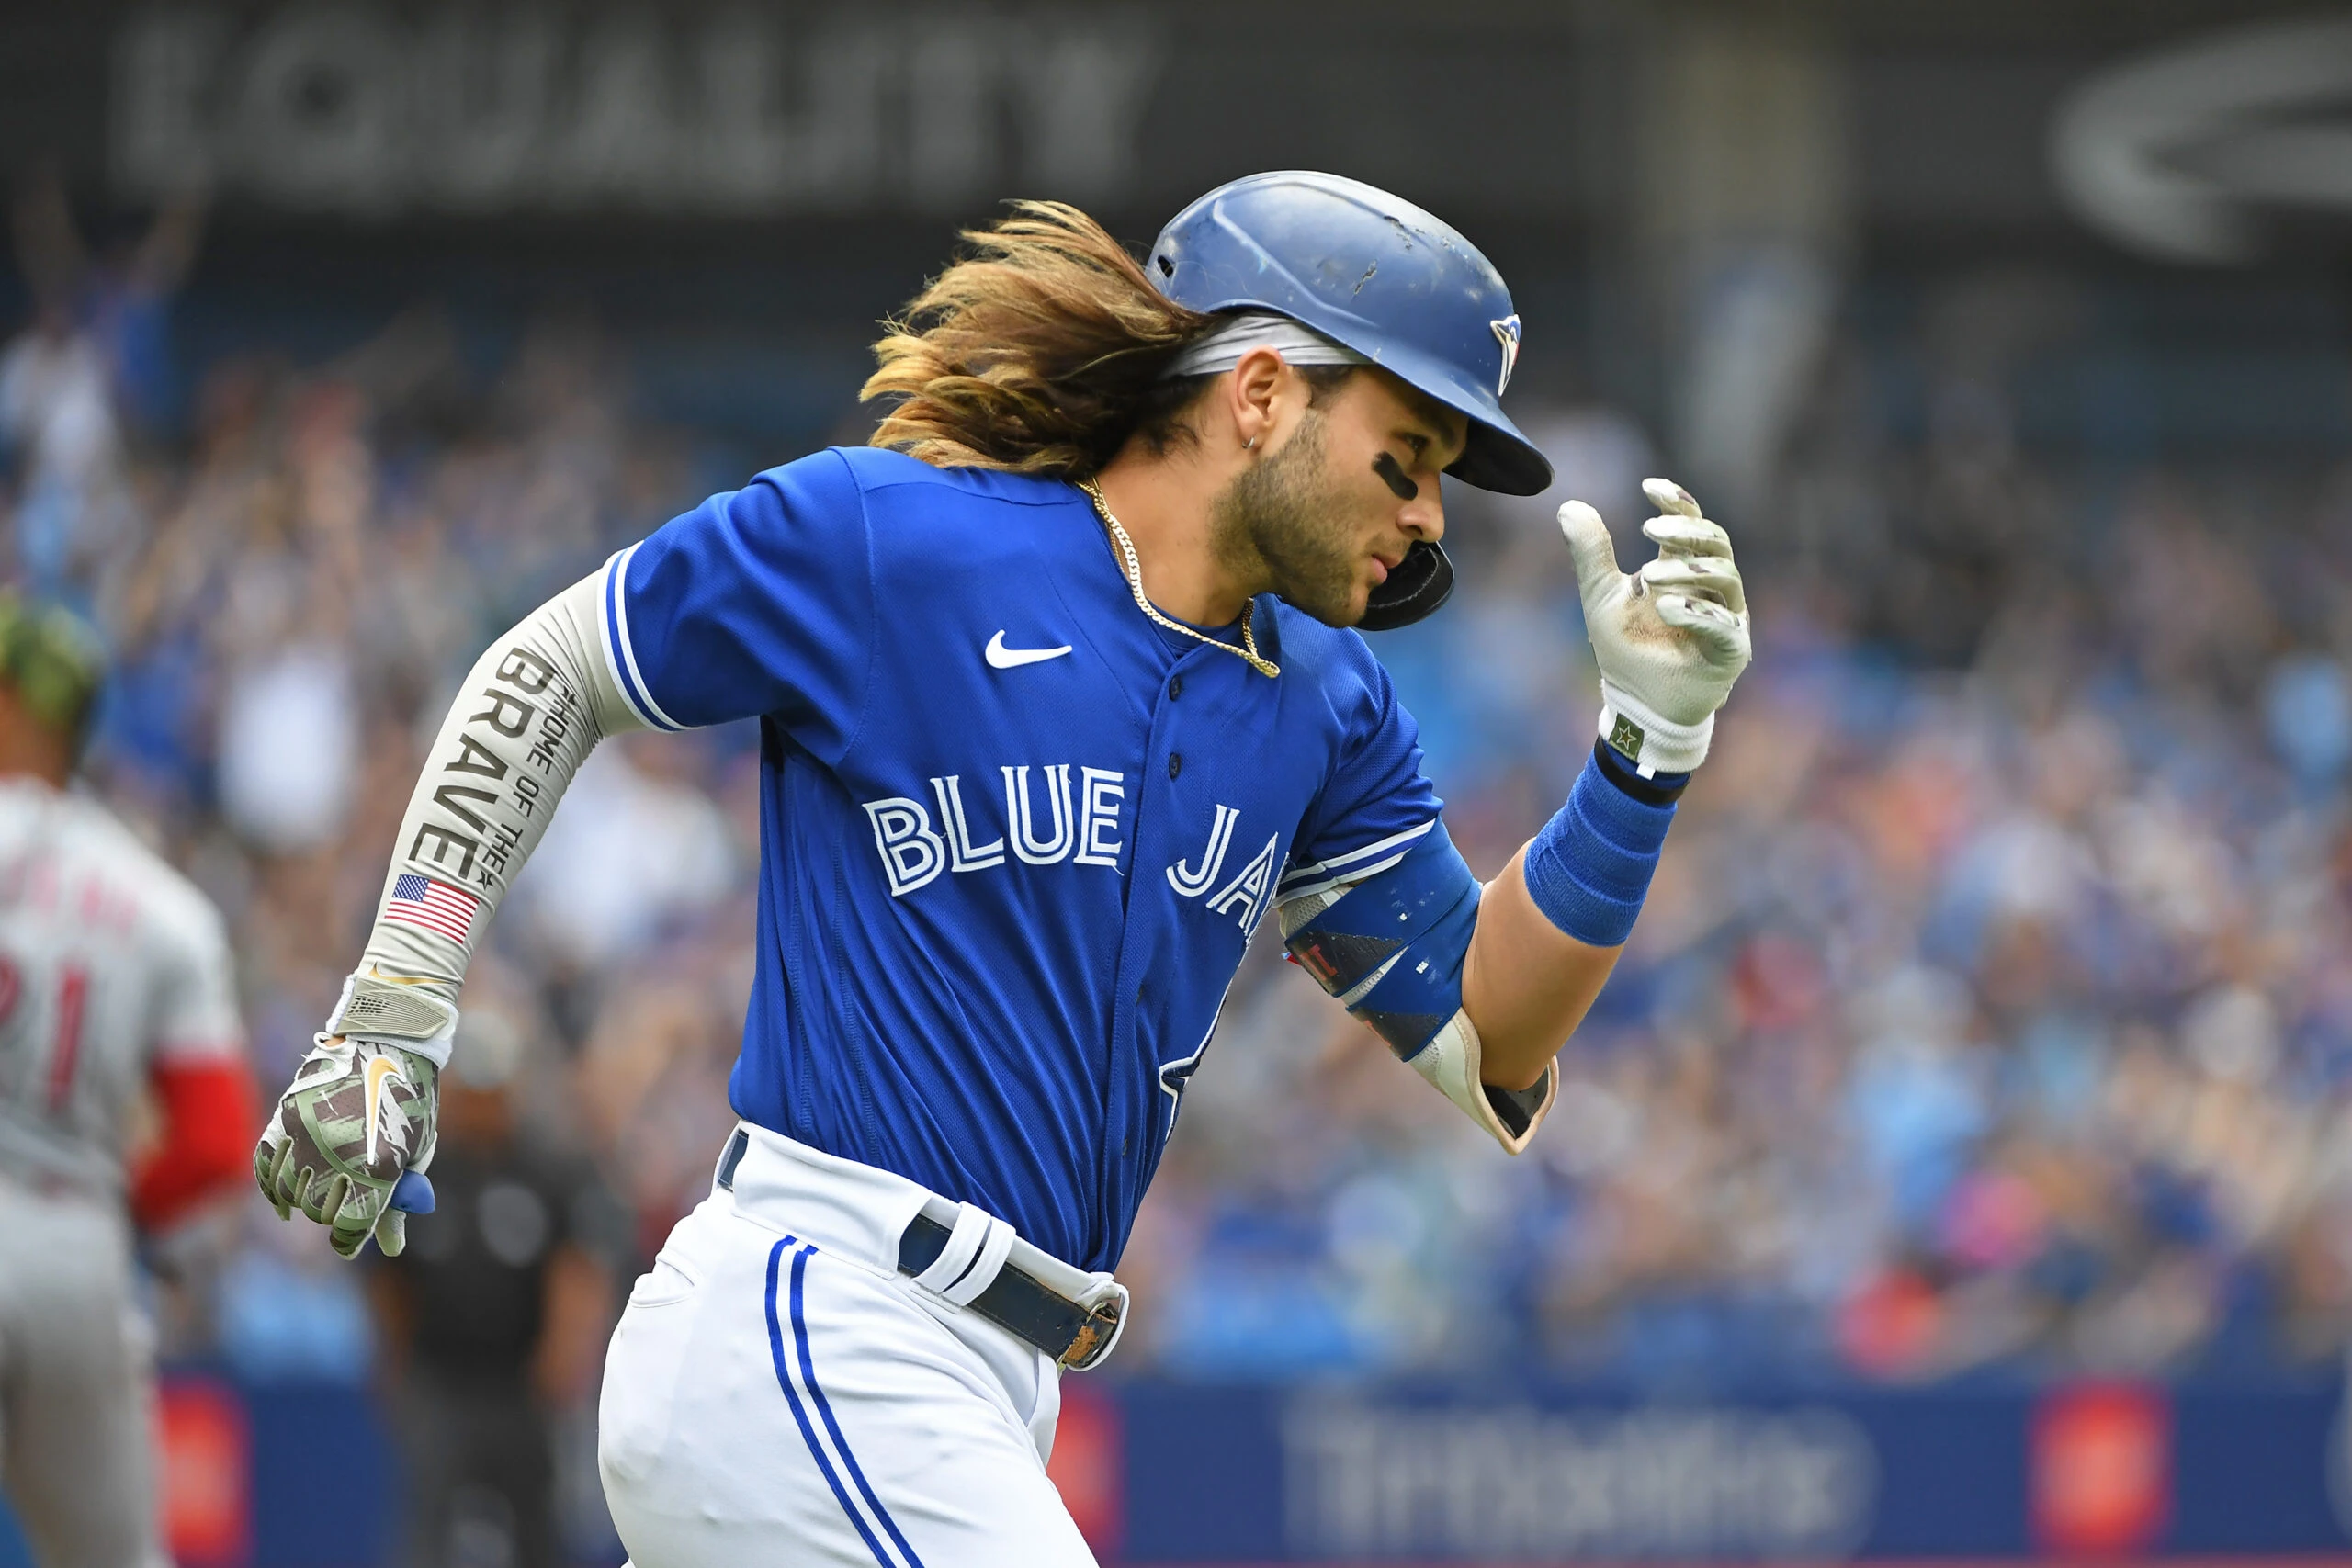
x: 1394, y: 477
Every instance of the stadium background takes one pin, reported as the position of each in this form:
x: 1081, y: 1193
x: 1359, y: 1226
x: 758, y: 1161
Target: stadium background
x: 1957, y: 1165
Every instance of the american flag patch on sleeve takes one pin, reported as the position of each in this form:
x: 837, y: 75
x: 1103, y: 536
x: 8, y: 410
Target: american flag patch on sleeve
x: 438, y: 907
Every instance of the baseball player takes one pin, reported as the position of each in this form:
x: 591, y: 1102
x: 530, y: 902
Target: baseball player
x: 114, y: 984
x: 1061, y: 693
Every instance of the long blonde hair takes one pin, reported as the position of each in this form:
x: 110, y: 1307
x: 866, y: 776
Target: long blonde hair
x: 1040, y: 351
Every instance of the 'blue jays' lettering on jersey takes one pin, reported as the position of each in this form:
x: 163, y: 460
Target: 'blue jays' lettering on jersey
x: 1014, y: 836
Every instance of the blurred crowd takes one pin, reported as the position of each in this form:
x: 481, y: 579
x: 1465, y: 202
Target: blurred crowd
x: 1988, y: 1015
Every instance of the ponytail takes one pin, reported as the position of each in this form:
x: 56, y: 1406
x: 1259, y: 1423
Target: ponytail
x: 1041, y: 352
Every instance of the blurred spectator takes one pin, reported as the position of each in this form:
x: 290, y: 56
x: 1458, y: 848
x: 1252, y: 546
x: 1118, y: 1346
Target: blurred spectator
x: 286, y: 749
x: 493, y: 1317
x: 635, y: 847
x: 97, y: 346
x: 57, y: 420
x: 119, y: 298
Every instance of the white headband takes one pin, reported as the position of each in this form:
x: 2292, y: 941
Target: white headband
x: 1222, y: 349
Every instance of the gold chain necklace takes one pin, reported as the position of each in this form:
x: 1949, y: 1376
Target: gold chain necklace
x: 1248, y: 651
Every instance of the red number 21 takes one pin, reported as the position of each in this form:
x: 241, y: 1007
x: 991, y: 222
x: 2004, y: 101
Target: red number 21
x: 72, y: 996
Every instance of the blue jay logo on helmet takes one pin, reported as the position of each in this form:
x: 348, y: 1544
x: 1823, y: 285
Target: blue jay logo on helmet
x: 1507, y: 333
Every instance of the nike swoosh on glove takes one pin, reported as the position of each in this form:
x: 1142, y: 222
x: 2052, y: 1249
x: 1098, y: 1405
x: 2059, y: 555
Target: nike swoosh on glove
x: 1670, y: 639
x: 360, y: 1116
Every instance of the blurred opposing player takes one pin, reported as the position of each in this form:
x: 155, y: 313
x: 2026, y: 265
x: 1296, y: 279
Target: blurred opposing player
x: 114, y: 984
x: 1059, y: 697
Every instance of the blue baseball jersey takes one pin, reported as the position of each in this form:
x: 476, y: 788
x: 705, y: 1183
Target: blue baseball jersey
x: 1014, y: 836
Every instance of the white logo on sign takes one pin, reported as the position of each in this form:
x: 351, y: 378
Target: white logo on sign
x: 721, y: 110
x: 1002, y: 658
x: 1507, y: 333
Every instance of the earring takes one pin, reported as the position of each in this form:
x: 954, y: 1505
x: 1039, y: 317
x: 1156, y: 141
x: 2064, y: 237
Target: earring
x: 1253, y: 442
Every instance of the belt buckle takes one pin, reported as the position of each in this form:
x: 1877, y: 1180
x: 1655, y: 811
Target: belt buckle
x: 1097, y: 1335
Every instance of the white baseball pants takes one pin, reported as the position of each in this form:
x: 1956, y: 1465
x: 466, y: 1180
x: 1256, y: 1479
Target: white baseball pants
x: 778, y: 1393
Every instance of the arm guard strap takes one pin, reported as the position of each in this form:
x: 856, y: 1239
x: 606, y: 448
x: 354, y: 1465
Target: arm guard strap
x: 1391, y: 947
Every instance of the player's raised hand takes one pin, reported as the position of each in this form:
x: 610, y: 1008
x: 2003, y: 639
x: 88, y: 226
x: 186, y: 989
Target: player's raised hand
x: 350, y: 1138
x: 1671, y: 638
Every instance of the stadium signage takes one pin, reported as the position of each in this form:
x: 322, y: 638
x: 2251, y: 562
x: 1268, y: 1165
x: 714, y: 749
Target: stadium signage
x: 2191, y: 151
x: 366, y: 111
x: 1521, y: 1484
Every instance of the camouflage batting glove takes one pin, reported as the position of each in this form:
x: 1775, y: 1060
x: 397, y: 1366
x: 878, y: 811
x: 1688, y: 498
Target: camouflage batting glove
x: 360, y: 1117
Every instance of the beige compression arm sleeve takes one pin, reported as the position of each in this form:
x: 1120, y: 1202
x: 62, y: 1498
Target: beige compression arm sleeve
x: 530, y: 712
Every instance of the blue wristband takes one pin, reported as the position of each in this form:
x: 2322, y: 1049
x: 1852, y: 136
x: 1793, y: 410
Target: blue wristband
x: 1590, y: 869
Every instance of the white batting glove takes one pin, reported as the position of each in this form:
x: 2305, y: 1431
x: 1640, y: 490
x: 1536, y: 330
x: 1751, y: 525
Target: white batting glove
x: 1670, y: 639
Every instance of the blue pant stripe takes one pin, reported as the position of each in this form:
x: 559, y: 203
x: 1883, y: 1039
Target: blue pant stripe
x: 783, y: 1380
x: 825, y: 1410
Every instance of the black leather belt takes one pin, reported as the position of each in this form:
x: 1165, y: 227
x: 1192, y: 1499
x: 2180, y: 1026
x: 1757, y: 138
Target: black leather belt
x: 1016, y: 1302
x: 1025, y: 1307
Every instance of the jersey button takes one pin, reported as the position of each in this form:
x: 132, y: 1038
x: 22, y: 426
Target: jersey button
x: 1175, y: 764
x: 1175, y: 687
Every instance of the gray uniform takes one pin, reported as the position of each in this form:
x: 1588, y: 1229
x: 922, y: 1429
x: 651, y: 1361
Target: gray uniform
x: 110, y: 962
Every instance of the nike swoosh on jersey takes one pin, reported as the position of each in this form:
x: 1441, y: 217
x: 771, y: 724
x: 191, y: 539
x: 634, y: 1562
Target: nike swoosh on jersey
x: 1002, y: 658
x: 379, y: 1070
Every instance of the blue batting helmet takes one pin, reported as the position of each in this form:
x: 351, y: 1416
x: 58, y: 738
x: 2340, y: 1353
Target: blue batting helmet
x: 1375, y: 273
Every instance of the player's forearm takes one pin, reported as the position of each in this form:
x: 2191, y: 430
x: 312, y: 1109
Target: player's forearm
x: 530, y: 711
x: 1526, y: 984
x: 1550, y: 928
x: 352, y: 1137
x: 1669, y: 642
